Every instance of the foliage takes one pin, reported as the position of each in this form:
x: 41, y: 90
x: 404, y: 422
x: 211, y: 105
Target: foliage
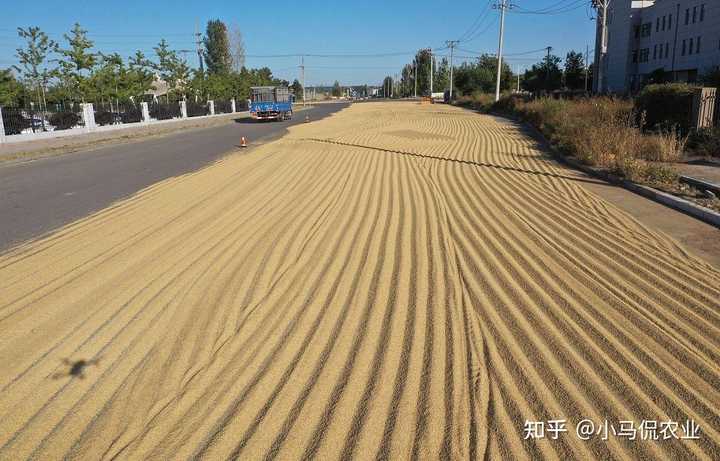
x: 76, y: 62
x: 387, y: 86
x: 574, y: 71
x: 705, y: 142
x: 217, y: 48
x: 104, y: 117
x: 545, y: 76
x: 14, y: 122
x: 337, y: 89
x: 172, y: 69
x: 666, y: 106
x: 11, y: 91
x: 297, y: 90
x: 602, y: 132
x: 237, y: 47
x: 32, y: 60
x: 64, y: 120
x: 712, y: 77
x: 481, y: 76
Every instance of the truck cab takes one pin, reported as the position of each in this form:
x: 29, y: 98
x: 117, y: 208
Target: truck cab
x: 270, y: 103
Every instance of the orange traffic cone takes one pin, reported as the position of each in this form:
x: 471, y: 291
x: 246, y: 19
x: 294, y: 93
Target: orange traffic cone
x: 243, y: 142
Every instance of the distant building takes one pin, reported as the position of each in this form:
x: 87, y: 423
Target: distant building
x: 680, y: 37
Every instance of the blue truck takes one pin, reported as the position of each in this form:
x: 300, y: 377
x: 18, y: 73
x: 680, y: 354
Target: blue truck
x: 270, y: 103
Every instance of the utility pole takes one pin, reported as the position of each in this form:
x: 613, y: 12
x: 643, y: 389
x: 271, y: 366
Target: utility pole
x: 587, y: 59
x: 503, y: 6
x: 302, y: 76
x: 602, y: 7
x: 198, y: 42
x: 451, y: 44
x: 517, y: 71
x: 547, y: 63
x: 415, y: 80
x: 432, y: 70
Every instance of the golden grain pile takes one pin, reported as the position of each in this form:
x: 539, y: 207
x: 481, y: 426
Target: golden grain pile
x: 397, y: 281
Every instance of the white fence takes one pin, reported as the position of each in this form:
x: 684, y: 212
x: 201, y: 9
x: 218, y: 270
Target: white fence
x: 89, y: 125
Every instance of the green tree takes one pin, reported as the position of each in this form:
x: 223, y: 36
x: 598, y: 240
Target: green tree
x: 33, y: 59
x: 297, y: 90
x: 574, y: 71
x: 173, y: 70
x: 481, y: 76
x: 76, y: 63
x: 337, y: 89
x: 139, y: 76
x: 422, y: 62
x: 441, y: 80
x: 11, y: 91
x: 545, y: 75
x: 218, y: 57
x: 387, y: 87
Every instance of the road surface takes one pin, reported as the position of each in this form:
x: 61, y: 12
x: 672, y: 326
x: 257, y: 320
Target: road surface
x: 39, y: 196
x: 397, y: 281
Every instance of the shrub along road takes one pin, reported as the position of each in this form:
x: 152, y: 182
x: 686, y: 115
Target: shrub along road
x: 395, y: 282
x: 44, y: 194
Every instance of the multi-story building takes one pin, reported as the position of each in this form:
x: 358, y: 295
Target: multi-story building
x: 680, y: 38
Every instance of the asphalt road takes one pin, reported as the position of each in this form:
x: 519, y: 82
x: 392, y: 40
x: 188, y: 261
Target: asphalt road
x: 39, y: 196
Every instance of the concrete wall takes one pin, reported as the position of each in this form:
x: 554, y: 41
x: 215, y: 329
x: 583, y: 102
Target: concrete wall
x: 623, y: 73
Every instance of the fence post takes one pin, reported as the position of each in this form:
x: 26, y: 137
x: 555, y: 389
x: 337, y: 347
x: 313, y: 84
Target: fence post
x: 232, y: 105
x: 211, y: 105
x: 88, y: 116
x: 703, y: 107
x: 145, y: 112
x: 183, y: 109
x: 2, y: 128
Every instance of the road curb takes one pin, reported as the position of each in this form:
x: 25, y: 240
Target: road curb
x: 679, y: 204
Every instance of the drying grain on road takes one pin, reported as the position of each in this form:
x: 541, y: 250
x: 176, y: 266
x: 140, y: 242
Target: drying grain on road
x: 397, y: 281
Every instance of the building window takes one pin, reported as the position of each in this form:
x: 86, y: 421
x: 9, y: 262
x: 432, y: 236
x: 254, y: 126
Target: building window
x: 690, y: 48
x: 667, y: 50
x: 637, y: 31
x: 702, y: 12
x: 657, y: 25
x: 670, y: 21
x: 663, y: 22
x: 644, y: 55
x: 684, y: 48
x: 634, y: 56
x: 694, y: 14
x: 697, y: 46
x: 646, y: 29
x: 687, y: 16
x: 654, y: 52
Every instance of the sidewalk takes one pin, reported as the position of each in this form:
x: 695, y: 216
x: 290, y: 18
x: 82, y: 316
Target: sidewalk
x: 700, y: 238
x: 705, y: 171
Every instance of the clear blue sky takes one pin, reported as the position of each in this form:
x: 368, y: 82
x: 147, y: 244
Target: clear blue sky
x: 313, y: 27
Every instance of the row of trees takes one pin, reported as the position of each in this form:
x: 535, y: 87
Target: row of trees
x: 50, y: 72
x: 480, y: 75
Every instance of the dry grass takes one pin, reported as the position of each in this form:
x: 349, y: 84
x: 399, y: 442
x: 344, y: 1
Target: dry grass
x: 603, y: 132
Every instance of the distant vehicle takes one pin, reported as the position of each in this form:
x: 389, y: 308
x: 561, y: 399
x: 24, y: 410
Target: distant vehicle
x: 270, y: 103
x: 439, y: 97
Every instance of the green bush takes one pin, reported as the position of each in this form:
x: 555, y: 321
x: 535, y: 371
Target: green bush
x: 666, y: 106
x: 705, y: 142
x: 104, y: 117
x: 14, y: 122
x: 64, y: 120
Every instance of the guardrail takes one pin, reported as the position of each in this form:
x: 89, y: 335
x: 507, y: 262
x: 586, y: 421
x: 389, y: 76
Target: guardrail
x: 19, y: 124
